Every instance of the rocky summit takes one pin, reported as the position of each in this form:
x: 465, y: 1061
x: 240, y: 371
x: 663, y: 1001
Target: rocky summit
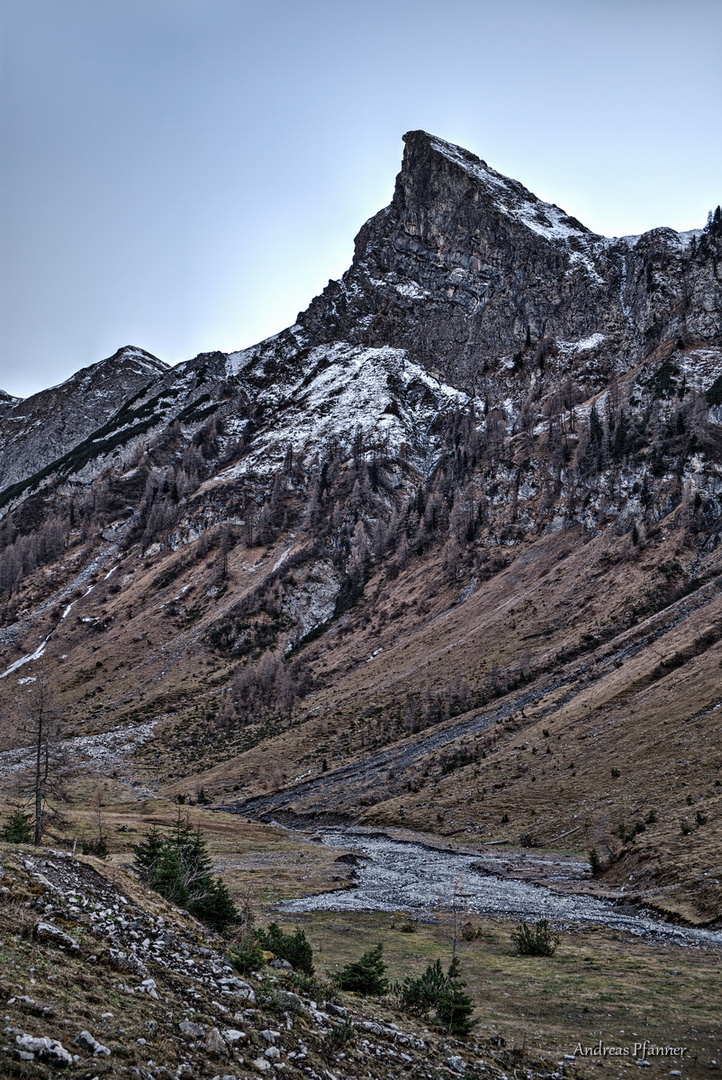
x: 444, y: 555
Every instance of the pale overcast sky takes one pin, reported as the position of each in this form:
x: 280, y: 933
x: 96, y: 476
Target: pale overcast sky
x: 186, y: 175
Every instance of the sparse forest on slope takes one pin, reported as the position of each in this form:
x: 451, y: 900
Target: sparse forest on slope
x: 444, y: 554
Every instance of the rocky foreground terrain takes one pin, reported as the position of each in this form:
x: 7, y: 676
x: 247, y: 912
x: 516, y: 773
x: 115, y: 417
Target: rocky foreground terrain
x: 102, y: 978
x: 444, y: 554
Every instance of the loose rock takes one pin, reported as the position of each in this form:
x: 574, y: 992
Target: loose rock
x: 46, y: 1049
x: 88, y: 1042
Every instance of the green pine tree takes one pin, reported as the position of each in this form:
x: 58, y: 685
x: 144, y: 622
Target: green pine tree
x: 179, y: 867
x: 246, y: 955
x: 18, y: 829
x: 147, y: 853
x: 366, y: 975
x: 291, y: 947
x: 421, y: 995
x: 454, y: 1008
x: 215, y: 907
x: 168, y: 877
x: 444, y: 994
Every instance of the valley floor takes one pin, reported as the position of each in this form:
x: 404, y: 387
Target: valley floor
x: 536, y: 1015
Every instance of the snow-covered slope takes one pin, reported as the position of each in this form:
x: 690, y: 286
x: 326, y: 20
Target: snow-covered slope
x: 348, y: 393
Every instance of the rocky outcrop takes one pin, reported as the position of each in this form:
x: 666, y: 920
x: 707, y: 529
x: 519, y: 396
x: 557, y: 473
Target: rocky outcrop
x: 196, y: 1017
x: 7, y: 401
x: 465, y: 277
x: 466, y: 266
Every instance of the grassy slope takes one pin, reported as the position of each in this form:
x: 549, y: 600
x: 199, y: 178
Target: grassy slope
x: 638, y: 699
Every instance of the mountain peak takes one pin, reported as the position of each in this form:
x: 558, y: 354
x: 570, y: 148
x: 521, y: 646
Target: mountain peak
x: 505, y: 196
x: 467, y: 265
x: 132, y: 353
x: 422, y: 141
x: 43, y: 427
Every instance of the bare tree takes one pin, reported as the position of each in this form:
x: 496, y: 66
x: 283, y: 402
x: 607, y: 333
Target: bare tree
x: 47, y: 777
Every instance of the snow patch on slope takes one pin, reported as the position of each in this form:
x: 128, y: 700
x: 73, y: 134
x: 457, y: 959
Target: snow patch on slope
x: 26, y: 659
x: 583, y: 345
x: 237, y: 361
x: 348, y: 391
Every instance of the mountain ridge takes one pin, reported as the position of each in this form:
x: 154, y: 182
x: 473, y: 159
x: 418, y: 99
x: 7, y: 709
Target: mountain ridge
x: 450, y: 498
x: 69, y: 411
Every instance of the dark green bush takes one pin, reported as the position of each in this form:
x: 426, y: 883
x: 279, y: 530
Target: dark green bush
x: 98, y: 847
x: 454, y: 1008
x: 421, y: 995
x: 366, y: 975
x: 537, y: 940
x: 246, y: 955
x: 18, y: 829
x: 629, y: 834
x: 443, y: 994
x: 214, y: 906
x: 279, y: 1002
x: 179, y: 868
x: 291, y: 947
x: 337, y: 1039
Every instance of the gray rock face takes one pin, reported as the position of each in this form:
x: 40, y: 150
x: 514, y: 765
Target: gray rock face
x: 215, y: 1043
x: 7, y: 401
x: 90, y: 1043
x: 466, y: 266
x: 466, y: 276
x: 44, y: 931
x: 126, y: 961
x: 191, y: 1030
x: 36, y: 431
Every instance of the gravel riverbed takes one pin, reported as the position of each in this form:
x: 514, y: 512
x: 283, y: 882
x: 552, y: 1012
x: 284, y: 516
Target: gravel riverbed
x: 421, y: 880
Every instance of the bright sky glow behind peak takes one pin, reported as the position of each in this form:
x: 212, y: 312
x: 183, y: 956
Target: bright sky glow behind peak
x: 186, y: 175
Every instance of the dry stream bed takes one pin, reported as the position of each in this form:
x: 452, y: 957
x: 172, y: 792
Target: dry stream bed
x: 421, y: 880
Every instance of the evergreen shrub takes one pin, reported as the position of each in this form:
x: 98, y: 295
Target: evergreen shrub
x: 179, y: 868
x: 365, y: 976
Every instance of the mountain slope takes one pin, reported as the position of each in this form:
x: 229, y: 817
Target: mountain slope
x: 36, y: 431
x: 472, y: 495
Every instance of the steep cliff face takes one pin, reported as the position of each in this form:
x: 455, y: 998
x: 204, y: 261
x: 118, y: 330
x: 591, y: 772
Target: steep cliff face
x: 7, y: 401
x: 36, y: 431
x: 466, y: 266
x: 466, y: 277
